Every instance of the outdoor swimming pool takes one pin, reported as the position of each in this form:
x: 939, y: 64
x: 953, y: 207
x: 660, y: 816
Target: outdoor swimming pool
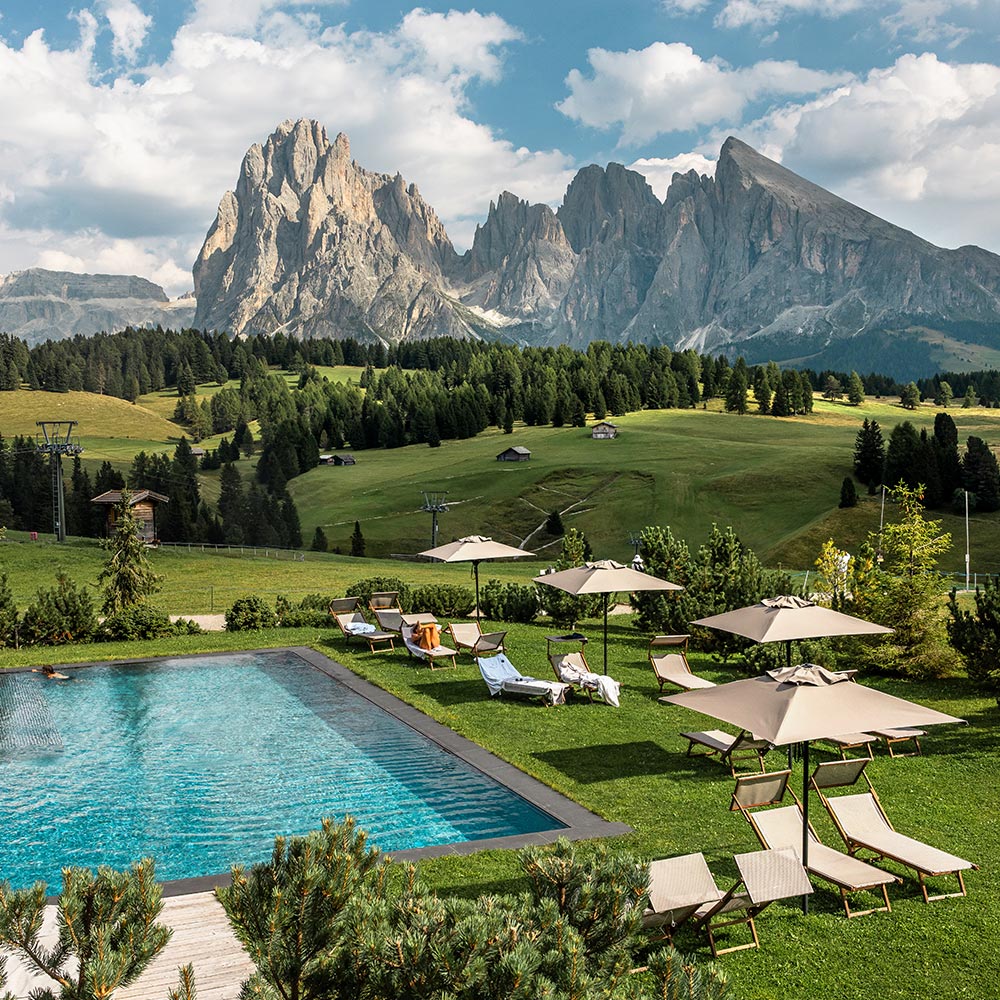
x: 200, y: 762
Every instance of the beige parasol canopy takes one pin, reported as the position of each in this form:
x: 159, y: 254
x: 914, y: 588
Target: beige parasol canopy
x: 604, y: 577
x: 787, y: 618
x: 803, y: 703
x: 475, y: 549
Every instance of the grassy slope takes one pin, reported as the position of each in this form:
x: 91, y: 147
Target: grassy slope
x: 629, y: 765
x: 776, y: 481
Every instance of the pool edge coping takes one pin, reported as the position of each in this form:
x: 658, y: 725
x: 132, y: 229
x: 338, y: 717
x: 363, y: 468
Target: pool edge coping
x: 579, y: 823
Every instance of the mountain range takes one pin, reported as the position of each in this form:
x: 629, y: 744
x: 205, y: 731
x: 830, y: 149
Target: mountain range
x: 755, y: 260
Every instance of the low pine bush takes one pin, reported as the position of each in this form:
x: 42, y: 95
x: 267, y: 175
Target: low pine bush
x: 249, y: 614
x: 509, y: 602
x: 379, y: 585
x: 447, y: 600
x: 64, y: 613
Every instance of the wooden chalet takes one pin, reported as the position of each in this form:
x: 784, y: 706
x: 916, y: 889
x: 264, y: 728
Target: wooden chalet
x: 144, y: 504
x: 517, y: 453
x: 344, y: 460
x: 604, y: 431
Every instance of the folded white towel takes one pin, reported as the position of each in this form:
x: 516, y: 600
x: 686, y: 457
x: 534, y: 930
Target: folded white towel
x: 359, y: 628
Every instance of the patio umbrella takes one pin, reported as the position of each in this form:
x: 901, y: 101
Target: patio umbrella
x: 804, y: 703
x: 604, y: 577
x: 475, y: 549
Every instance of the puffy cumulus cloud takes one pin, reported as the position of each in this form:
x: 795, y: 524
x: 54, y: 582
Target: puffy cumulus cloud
x: 129, y: 26
x: 660, y: 171
x: 465, y: 43
x: 668, y: 87
x: 112, y: 164
x: 917, y: 143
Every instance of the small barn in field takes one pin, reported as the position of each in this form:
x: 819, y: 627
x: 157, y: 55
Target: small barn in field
x: 517, y: 453
x: 604, y: 431
x: 144, y: 504
x: 344, y: 460
x: 326, y: 459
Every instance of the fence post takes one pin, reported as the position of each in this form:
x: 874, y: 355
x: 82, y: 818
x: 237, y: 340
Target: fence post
x: 211, y: 599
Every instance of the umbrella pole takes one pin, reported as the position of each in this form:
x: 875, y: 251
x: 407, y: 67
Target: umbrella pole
x: 805, y: 816
x: 605, y: 635
x: 479, y: 614
x: 788, y: 663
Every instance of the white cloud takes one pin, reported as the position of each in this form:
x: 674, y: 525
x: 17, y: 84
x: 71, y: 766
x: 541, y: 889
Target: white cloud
x: 97, y: 168
x: 660, y: 171
x: 670, y: 88
x: 923, y: 20
x: 129, y: 26
x: 917, y: 143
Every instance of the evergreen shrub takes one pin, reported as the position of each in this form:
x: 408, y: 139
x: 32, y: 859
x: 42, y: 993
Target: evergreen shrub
x: 8, y: 613
x: 448, y: 600
x: 509, y: 602
x: 249, y: 614
x: 140, y: 621
x: 64, y: 613
x: 367, y: 586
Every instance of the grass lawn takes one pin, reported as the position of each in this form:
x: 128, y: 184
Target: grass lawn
x: 629, y: 765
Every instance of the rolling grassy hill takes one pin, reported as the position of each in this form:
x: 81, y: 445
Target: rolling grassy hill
x: 776, y: 481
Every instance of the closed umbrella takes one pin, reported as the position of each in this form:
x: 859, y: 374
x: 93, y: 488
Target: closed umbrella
x: 604, y: 577
x: 804, y: 703
x: 475, y: 549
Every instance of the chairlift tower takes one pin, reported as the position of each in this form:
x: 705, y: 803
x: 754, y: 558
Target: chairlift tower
x: 635, y: 540
x: 434, y: 504
x: 56, y: 440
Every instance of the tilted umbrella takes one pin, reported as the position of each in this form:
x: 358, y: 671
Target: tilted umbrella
x: 604, y: 577
x: 475, y: 549
x: 804, y: 703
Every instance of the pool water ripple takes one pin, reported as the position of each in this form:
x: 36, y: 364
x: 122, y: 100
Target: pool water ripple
x: 201, y: 762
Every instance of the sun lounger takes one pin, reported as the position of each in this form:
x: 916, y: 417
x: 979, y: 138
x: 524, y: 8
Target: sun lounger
x: 344, y: 605
x: 853, y: 741
x: 863, y: 824
x: 677, y: 888
x: 572, y: 668
x: 765, y: 877
x: 502, y: 677
x: 392, y: 619
x: 728, y: 748
x: 781, y: 828
x: 384, y: 601
x: 470, y: 638
x: 354, y: 626
x: 668, y: 658
x: 893, y: 737
x: 436, y: 656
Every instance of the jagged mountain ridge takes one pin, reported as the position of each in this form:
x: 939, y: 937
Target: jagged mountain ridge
x: 37, y: 304
x: 755, y: 260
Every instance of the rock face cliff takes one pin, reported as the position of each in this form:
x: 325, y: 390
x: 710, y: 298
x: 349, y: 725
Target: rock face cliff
x: 38, y: 305
x: 755, y: 260
x: 312, y: 244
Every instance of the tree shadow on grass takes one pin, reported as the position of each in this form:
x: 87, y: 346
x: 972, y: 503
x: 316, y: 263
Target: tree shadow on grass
x: 606, y: 761
x: 454, y: 692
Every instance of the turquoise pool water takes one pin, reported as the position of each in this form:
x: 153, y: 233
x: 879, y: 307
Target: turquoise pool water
x: 200, y: 762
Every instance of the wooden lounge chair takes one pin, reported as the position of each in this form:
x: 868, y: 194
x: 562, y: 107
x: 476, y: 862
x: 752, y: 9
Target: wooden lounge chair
x: 573, y: 669
x: 765, y: 877
x: 728, y: 748
x: 374, y: 638
x: 392, y: 619
x: 342, y: 605
x: 862, y: 822
x: 436, y: 656
x: 668, y: 658
x: 502, y: 677
x: 678, y: 887
x: 385, y: 607
x: 781, y: 828
x: 470, y: 638
x: 893, y: 737
x: 852, y: 741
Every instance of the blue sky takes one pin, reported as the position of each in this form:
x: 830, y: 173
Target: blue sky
x: 126, y: 120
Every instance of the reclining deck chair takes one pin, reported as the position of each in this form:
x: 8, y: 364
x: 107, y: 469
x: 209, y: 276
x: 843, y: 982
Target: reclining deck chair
x: 386, y: 609
x: 668, y: 658
x: 435, y: 654
x: 353, y: 625
x: 502, y: 677
x: 572, y: 668
x: 781, y: 828
x: 678, y: 887
x: 765, y: 877
x: 729, y: 748
x: 893, y: 737
x: 862, y: 822
x: 470, y: 638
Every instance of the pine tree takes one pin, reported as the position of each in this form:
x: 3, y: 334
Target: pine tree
x: 357, y: 541
x: 909, y: 398
x: 944, y: 394
x: 319, y: 542
x: 902, y: 456
x: 736, y: 391
x: 981, y: 475
x: 969, y: 400
x: 186, y: 384
x: 848, y: 494
x: 781, y: 405
x: 127, y: 576
x: 869, y: 454
x: 832, y: 389
x: 855, y: 390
